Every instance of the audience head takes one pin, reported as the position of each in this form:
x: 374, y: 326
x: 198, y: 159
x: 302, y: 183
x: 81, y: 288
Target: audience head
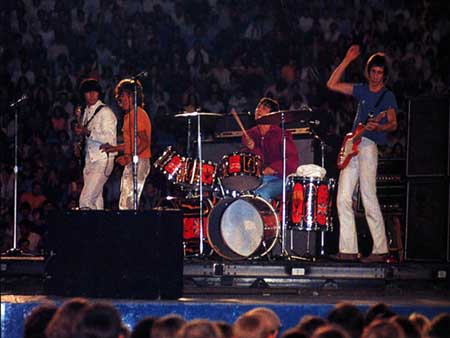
x: 66, y: 318
x: 200, y: 328
x: 225, y: 328
x: 378, y: 311
x: 143, y: 328
x: 422, y: 322
x: 100, y: 320
x: 383, y: 328
x: 349, y: 317
x: 251, y: 326
x: 36, y: 322
x: 309, y: 323
x: 409, y: 329
x: 293, y: 333
x: 167, y: 326
x: 269, y: 317
x: 440, y: 326
x: 330, y: 331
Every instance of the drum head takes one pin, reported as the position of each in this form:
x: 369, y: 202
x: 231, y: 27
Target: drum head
x: 242, y: 227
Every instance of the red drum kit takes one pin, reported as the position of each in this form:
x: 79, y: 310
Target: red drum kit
x: 231, y: 221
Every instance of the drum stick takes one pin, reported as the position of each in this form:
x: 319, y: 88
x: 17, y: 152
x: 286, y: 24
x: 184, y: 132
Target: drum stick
x: 238, y: 120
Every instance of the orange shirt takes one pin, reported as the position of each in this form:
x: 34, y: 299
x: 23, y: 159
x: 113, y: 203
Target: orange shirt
x: 143, y: 124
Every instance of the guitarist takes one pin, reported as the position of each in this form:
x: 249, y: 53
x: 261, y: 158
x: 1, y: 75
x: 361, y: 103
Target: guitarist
x: 373, y: 99
x: 96, y: 126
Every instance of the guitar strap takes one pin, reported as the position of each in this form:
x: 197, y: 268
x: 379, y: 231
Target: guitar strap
x: 93, y: 115
x: 378, y: 101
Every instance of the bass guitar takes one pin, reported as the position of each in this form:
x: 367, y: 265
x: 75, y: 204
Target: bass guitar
x: 352, y: 140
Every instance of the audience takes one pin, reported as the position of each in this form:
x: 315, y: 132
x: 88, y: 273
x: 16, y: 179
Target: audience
x: 80, y: 318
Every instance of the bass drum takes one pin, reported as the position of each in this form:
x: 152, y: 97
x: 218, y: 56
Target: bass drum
x: 242, y: 227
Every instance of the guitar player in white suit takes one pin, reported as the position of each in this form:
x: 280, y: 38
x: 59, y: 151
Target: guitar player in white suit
x: 376, y: 116
x: 98, y: 126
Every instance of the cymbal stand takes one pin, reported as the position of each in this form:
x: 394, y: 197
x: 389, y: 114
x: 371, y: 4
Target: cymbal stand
x: 188, y: 145
x: 283, y: 203
x: 322, y: 146
x: 200, y: 180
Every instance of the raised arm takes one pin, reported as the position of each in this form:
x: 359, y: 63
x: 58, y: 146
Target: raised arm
x: 334, y: 82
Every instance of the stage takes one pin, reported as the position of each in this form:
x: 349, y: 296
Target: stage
x: 223, y: 290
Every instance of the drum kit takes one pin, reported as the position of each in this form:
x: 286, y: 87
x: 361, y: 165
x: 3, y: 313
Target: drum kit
x: 223, y: 217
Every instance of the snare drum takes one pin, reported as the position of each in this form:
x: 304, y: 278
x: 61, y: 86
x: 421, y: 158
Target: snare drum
x: 189, y: 174
x: 309, y: 203
x: 170, y: 163
x: 241, y: 171
x: 243, y: 227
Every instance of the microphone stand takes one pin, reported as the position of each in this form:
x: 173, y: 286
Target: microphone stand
x: 135, y: 151
x: 15, y: 251
x: 135, y: 138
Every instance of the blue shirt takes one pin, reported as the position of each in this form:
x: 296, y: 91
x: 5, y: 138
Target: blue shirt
x: 366, y: 102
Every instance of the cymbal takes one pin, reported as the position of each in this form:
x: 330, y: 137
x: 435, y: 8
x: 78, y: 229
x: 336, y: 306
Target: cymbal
x: 288, y: 116
x: 198, y: 113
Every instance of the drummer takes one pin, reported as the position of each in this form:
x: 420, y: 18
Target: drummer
x: 265, y: 140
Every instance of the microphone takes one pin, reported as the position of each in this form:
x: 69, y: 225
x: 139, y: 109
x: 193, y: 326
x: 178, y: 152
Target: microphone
x: 142, y: 74
x: 19, y: 101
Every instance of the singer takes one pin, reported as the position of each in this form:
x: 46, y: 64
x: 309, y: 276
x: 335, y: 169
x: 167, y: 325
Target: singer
x: 124, y: 94
x: 97, y: 126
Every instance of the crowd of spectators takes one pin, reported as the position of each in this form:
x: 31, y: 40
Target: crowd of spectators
x: 81, y: 318
x: 199, y: 54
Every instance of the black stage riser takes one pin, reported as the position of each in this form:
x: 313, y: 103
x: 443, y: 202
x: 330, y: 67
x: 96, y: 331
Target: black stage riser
x: 122, y: 254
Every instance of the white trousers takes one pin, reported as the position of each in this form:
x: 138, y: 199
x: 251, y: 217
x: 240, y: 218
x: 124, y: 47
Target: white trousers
x: 95, y: 175
x: 126, y: 183
x: 362, y: 167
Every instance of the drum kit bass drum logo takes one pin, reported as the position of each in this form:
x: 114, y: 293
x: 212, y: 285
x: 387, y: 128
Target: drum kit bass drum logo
x: 240, y: 225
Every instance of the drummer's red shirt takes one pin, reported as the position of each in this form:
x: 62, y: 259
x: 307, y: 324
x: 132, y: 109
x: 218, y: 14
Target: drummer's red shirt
x: 270, y: 148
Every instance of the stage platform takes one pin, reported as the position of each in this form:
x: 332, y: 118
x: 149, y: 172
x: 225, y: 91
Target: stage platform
x: 223, y: 290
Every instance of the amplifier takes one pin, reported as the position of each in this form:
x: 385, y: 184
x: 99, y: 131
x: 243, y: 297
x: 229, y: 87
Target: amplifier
x: 392, y: 198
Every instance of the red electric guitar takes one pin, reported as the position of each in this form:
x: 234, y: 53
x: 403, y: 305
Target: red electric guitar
x: 351, y: 141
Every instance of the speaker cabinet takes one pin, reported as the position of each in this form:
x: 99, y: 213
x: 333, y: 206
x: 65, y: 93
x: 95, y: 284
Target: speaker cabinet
x: 427, y: 222
x: 124, y: 254
x: 428, y: 137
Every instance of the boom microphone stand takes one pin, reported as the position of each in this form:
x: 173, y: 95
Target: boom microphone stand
x: 15, y: 251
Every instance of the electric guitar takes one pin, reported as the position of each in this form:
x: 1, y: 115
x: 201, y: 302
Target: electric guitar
x: 79, y: 146
x: 352, y: 140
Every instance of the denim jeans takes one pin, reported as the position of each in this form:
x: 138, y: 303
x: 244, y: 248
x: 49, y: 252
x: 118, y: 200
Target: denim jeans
x: 271, y: 187
x: 362, y: 167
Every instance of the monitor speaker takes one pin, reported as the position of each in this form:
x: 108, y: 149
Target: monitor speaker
x: 124, y: 254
